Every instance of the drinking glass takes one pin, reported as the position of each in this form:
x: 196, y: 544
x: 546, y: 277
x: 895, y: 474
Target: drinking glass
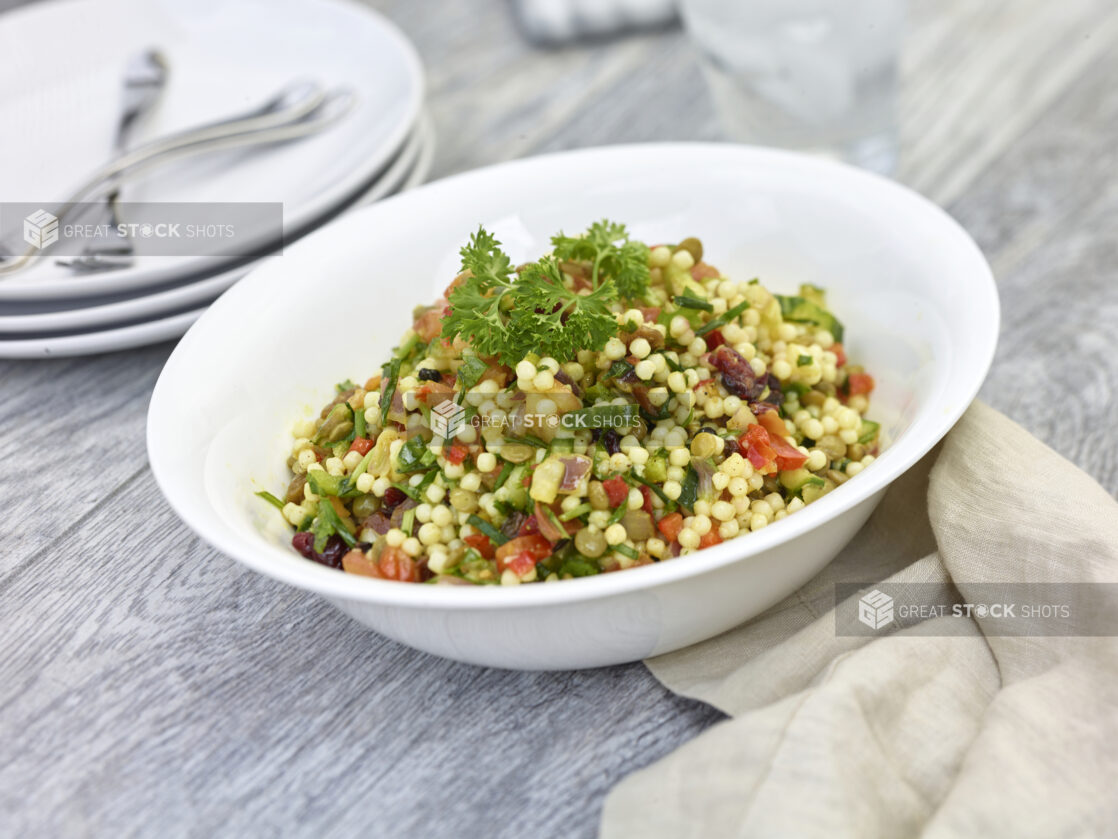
x: 814, y: 75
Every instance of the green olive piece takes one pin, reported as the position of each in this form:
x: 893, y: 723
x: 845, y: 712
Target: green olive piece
x: 694, y: 247
x: 590, y: 542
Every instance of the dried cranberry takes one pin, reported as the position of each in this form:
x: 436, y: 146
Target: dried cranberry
x: 392, y: 499
x: 730, y: 447
x: 378, y: 522
x: 426, y: 374
x: 612, y: 441
x: 737, y: 374
x: 331, y: 555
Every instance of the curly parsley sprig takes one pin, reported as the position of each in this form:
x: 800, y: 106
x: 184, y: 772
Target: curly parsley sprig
x: 509, y: 315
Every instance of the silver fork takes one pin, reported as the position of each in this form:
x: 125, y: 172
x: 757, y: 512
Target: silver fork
x: 144, y: 81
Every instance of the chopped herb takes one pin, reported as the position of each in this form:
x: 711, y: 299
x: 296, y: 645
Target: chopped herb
x: 673, y: 365
x: 271, y: 499
x: 414, y: 455
x: 346, y: 385
x: 495, y: 536
x: 469, y: 374
x: 408, y: 490
x: 722, y: 320
x: 326, y: 524
x: 804, y: 361
x: 619, y: 513
x: 659, y: 492
x: 323, y: 483
x: 428, y: 479
x: 390, y: 372
x: 618, y: 369
x: 625, y: 550
x: 687, y: 495
x: 686, y: 301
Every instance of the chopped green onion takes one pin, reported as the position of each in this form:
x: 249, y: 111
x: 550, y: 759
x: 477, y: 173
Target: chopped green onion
x: 323, y: 483
x: 618, y: 369
x: 359, y: 426
x: 619, y: 513
x: 547, y: 511
x: 804, y: 361
x: 408, y: 490
x: 407, y: 522
x: 659, y: 492
x: 575, y: 512
x: 686, y: 301
x: 271, y: 499
x: 495, y: 536
x: 625, y: 550
x: 506, y: 470
x: 722, y: 320
x: 690, y: 489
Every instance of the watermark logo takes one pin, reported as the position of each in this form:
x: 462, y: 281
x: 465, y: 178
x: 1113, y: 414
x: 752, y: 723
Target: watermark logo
x: 875, y: 609
x: 40, y: 229
x: 447, y: 419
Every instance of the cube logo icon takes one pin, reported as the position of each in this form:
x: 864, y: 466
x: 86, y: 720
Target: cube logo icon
x: 447, y: 419
x: 875, y: 609
x: 40, y: 229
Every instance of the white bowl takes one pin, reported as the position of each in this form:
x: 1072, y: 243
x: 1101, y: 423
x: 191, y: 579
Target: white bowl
x: 915, y: 294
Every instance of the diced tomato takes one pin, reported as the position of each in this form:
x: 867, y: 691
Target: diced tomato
x: 531, y: 525
x: 787, y: 455
x: 394, y: 564
x: 670, y: 525
x: 714, y: 339
x: 456, y: 452
x: 616, y: 490
x: 758, y: 447
x: 647, y: 493
x: 480, y: 543
x: 840, y: 354
x: 361, y: 445
x: 773, y: 423
x: 520, y: 564
x: 859, y: 383
x: 709, y: 538
x: 534, y: 546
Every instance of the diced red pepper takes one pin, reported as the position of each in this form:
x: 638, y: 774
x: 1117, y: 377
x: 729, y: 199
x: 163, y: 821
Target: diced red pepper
x: 840, y: 354
x: 520, y: 564
x: 534, y: 545
x: 859, y: 384
x: 787, y: 455
x: 616, y: 490
x: 456, y: 452
x: 647, y: 493
x: 531, y: 525
x: 709, y: 538
x: 480, y: 543
x: 758, y: 447
x: 670, y: 525
x: 361, y: 445
x: 773, y: 423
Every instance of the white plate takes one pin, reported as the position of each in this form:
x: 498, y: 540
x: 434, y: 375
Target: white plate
x: 915, y: 293
x: 408, y: 164
x: 170, y: 326
x: 59, y: 102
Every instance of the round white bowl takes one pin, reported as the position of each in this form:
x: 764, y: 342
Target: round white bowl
x: 916, y: 296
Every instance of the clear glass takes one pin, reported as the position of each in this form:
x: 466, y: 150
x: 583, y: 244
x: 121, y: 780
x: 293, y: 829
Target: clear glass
x: 813, y: 75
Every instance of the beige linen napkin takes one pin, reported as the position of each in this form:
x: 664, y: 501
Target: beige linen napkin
x: 910, y: 734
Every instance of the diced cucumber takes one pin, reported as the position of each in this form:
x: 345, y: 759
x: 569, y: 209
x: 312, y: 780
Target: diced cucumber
x: 796, y: 479
x: 812, y: 491
x: 514, y: 486
x: 868, y: 432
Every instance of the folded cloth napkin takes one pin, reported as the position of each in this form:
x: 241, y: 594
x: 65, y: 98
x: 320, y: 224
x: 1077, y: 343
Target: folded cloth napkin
x: 961, y: 734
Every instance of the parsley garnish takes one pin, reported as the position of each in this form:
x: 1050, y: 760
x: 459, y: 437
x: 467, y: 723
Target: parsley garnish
x: 611, y: 254
x: 510, y: 314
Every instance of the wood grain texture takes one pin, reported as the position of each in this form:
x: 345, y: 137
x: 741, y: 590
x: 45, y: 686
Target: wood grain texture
x: 149, y: 686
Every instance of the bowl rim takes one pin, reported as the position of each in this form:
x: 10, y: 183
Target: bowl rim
x: 308, y: 575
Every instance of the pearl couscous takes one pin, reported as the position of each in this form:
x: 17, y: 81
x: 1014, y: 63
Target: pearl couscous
x: 710, y: 407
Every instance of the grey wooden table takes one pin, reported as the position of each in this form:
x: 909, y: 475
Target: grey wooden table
x: 149, y: 686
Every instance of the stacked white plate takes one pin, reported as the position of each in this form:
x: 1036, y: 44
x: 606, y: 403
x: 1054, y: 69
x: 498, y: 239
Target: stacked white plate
x: 60, y: 102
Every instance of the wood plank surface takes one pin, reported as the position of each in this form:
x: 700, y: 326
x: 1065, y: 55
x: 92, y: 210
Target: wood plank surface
x: 151, y: 687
